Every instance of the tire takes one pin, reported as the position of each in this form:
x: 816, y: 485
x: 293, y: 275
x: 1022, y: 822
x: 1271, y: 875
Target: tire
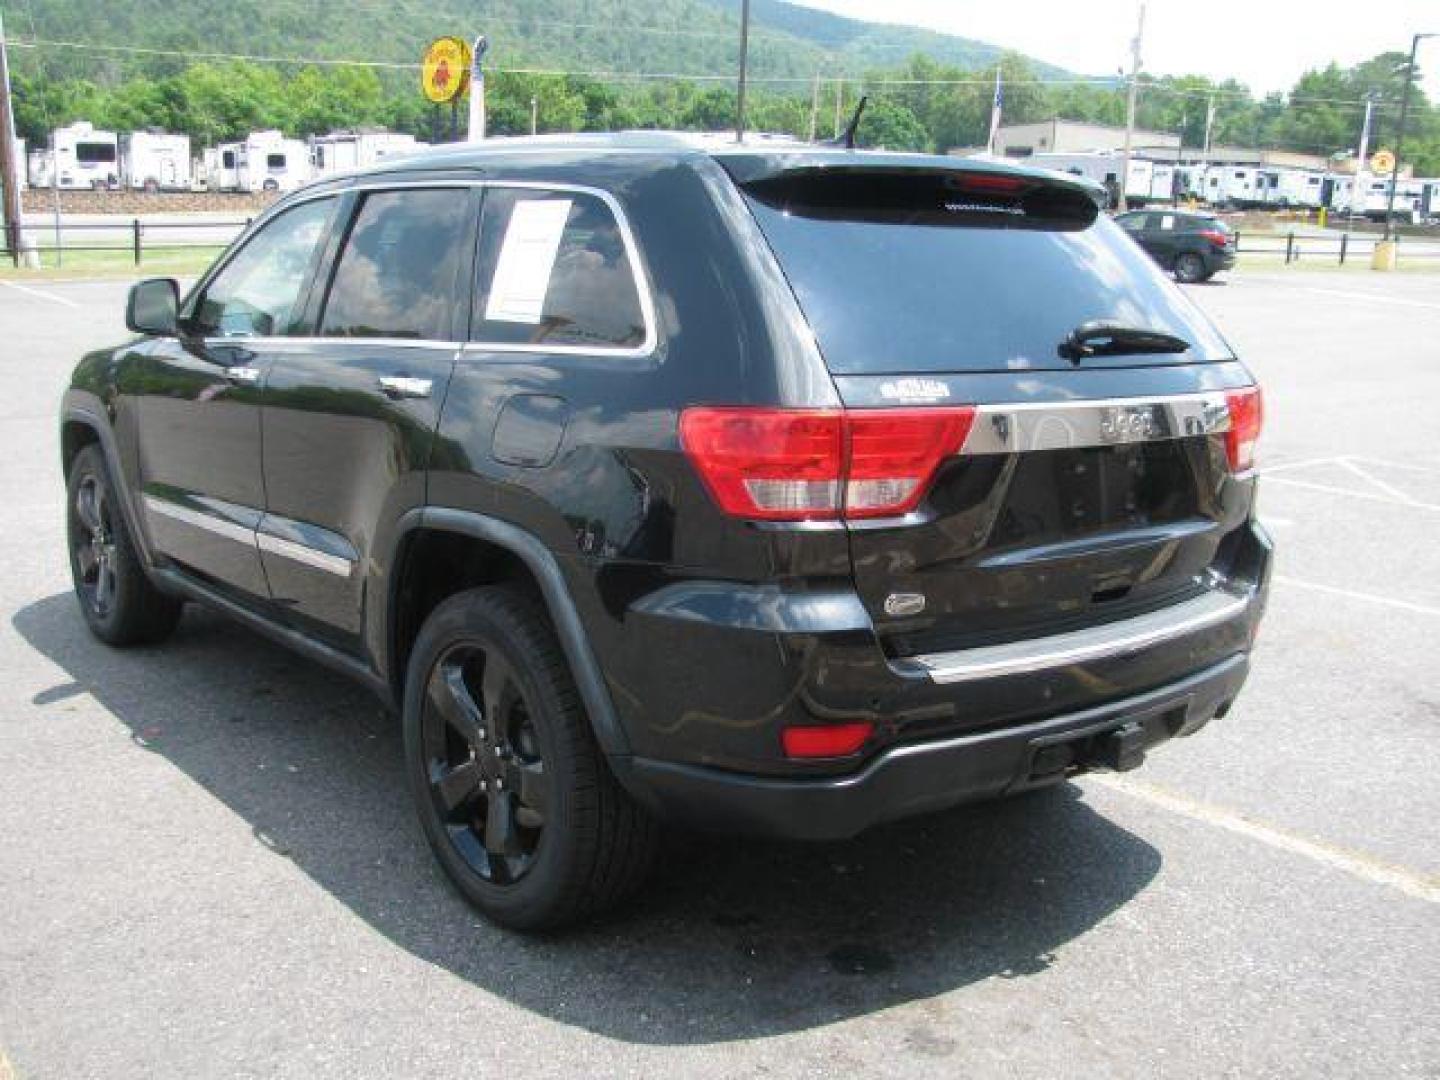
x: 512, y: 790
x: 120, y: 604
x: 1189, y: 268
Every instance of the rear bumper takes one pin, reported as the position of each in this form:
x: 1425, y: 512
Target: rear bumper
x: 1220, y: 260
x: 919, y: 778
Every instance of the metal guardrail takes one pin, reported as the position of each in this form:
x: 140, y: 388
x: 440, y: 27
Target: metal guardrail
x: 1295, y: 246
x: 135, y: 233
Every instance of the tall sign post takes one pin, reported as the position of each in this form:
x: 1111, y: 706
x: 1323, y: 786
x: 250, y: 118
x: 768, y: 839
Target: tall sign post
x: 444, y: 74
x: 476, y: 128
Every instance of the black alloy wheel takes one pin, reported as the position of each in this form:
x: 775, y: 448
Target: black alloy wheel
x: 487, y: 776
x: 93, y: 546
x: 120, y: 603
x: 514, y: 794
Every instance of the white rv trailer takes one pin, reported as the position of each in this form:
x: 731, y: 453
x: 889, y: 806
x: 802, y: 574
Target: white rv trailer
x: 85, y: 157
x: 1301, y: 188
x: 1146, y: 182
x: 342, y: 150
x: 1374, y: 199
x: 155, y: 160
x: 264, y: 161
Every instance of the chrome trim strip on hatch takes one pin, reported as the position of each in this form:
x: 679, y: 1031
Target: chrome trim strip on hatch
x: 1082, y: 646
x: 1066, y: 425
x: 303, y: 553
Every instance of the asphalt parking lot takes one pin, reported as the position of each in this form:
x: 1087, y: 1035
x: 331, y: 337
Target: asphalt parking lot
x: 209, y: 866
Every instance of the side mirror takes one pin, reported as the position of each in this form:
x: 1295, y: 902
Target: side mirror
x: 153, y: 307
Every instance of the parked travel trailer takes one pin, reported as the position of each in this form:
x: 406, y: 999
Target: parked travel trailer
x: 1146, y: 182
x: 265, y: 161
x: 85, y: 157
x: 342, y: 150
x: 155, y: 160
x: 1297, y: 188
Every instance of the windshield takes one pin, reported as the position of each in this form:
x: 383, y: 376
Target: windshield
x: 909, y: 274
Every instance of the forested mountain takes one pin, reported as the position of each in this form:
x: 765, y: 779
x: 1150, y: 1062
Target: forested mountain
x: 687, y: 37
x: 216, y: 69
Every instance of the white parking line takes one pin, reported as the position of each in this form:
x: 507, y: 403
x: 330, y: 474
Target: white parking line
x: 1330, y: 489
x: 1303, y: 463
x: 1351, y: 594
x: 42, y: 295
x: 1376, y: 482
x: 1368, y: 297
x: 1366, y: 867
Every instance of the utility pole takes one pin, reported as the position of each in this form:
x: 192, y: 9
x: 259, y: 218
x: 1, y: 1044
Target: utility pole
x: 534, y: 115
x: 839, y: 99
x: 744, y: 62
x: 1400, y: 135
x: 815, y: 106
x: 9, y: 152
x: 1130, y: 107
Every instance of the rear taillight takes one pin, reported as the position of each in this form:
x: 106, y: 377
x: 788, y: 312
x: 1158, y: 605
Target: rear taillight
x: 1219, y: 239
x: 820, y: 464
x: 1247, y: 415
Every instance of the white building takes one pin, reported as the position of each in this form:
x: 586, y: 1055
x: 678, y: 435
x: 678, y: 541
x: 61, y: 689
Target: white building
x: 155, y: 160
x: 1075, y: 137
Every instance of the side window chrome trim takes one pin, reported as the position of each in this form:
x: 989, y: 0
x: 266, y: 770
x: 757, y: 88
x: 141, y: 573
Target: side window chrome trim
x: 632, y: 253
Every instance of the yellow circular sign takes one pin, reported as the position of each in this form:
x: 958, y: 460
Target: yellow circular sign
x: 445, y: 69
x: 1382, y: 161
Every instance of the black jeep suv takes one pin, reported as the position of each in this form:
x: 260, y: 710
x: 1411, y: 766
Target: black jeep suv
x: 757, y: 487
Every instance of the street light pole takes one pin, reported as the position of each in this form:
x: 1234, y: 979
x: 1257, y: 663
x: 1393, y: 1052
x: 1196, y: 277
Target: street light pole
x: 1400, y: 134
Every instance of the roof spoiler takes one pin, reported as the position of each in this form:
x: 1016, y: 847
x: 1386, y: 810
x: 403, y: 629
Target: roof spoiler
x: 938, y: 189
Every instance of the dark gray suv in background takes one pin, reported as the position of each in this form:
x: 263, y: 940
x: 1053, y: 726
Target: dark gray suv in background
x: 654, y: 479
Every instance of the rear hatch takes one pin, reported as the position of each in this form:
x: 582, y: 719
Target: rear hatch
x: 1091, y: 483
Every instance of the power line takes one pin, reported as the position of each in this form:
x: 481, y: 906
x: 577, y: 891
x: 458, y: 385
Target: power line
x: 1100, y: 82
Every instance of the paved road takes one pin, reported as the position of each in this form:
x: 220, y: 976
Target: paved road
x: 209, y: 867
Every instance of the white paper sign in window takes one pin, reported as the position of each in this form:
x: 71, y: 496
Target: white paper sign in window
x: 527, y: 259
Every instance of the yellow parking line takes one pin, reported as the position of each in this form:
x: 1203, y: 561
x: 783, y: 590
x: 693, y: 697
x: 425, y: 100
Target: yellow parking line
x: 1357, y: 864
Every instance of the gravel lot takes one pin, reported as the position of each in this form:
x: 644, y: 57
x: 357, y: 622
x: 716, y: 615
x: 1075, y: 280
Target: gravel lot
x: 209, y: 866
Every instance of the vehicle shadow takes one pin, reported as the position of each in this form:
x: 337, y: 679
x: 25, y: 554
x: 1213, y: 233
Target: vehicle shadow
x: 733, y: 939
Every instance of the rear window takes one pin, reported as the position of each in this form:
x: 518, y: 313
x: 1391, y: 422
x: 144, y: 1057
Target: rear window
x: 932, y: 272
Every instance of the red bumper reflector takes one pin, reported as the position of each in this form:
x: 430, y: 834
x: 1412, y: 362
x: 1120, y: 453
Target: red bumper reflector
x: 826, y: 740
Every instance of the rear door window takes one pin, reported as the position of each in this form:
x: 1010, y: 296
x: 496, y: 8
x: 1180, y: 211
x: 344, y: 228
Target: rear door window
x: 555, y: 269
x: 400, y: 269
x: 947, y: 271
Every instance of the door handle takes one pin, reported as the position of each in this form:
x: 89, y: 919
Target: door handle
x: 243, y: 375
x: 403, y: 386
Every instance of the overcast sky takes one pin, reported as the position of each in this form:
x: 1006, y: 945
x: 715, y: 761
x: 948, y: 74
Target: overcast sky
x: 1265, y: 43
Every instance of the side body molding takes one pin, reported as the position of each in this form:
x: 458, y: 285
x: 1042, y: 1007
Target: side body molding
x: 589, y: 679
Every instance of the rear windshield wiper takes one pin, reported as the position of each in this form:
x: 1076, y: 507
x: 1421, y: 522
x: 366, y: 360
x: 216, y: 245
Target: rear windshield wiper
x: 1100, y: 338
